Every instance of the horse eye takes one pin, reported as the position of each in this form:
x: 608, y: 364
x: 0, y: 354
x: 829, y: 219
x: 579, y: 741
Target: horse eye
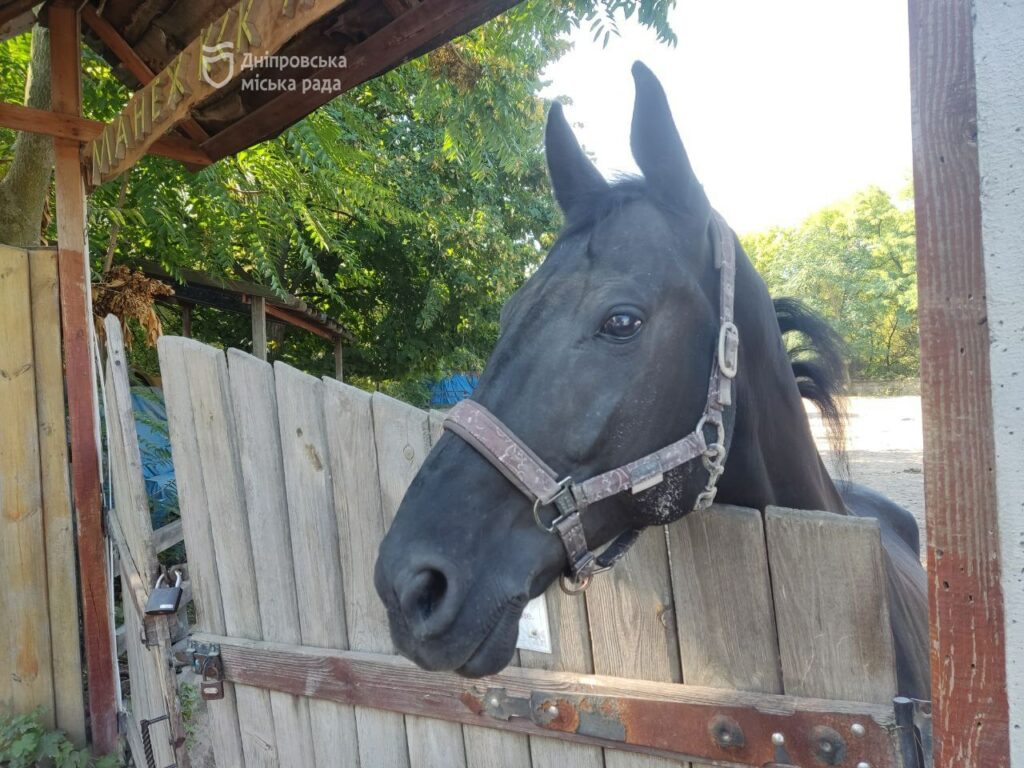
x: 622, y: 325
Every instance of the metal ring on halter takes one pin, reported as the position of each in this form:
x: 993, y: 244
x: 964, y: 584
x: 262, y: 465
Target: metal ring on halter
x: 564, y: 485
x: 573, y: 585
x: 719, y: 428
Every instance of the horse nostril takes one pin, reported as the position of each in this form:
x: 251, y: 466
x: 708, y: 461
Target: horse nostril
x: 427, y: 602
x: 428, y: 587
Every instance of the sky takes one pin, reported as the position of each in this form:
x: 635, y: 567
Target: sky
x: 784, y: 107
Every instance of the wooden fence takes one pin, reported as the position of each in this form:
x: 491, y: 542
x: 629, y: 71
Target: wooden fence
x: 288, y: 484
x: 151, y: 716
x: 40, y: 662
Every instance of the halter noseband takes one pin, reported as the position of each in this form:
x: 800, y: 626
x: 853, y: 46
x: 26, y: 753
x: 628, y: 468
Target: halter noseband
x: 485, y: 432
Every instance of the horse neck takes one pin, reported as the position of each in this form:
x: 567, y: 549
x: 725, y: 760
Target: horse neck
x: 773, y: 459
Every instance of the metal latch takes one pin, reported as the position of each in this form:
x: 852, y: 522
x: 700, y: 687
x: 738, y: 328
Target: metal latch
x: 207, y: 663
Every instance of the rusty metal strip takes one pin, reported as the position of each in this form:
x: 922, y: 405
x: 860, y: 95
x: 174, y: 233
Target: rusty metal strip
x: 741, y: 735
x: 720, y: 727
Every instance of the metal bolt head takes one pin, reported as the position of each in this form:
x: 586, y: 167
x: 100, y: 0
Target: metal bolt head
x: 863, y: 764
x: 858, y: 730
x: 553, y: 710
x: 778, y: 739
x: 726, y: 732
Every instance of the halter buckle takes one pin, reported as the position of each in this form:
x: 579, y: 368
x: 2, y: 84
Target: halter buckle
x: 728, y: 349
x: 563, y: 501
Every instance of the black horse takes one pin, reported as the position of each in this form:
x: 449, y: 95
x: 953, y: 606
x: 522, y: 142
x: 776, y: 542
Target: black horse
x: 604, y: 356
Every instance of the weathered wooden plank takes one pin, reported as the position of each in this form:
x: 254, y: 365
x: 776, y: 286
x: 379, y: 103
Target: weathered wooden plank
x: 831, y: 605
x: 257, y: 27
x: 27, y: 682
x: 259, y: 327
x: 650, y: 716
x: 131, y: 504
x: 403, y: 439
x: 348, y: 420
x: 965, y: 569
x: 153, y: 676
x: 315, y: 549
x: 169, y: 535
x: 723, y: 600
x: 120, y: 47
x: 631, y: 624
x: 80, y: 379
x: 254, y: 400
x: 58, y: 525
x: 217, y: 447
x: 195, y: 518
x: 149, y: 674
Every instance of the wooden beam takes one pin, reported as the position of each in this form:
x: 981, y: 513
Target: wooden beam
x: 18, y: 25
x: 76, y: 320
x: 968, y: 660
x: 254, y: 28
x: 132, y: 61
x: 662, y: 719
x: 186, y: 319
x: 259, y: 327
x: 292, y: 318
x: 339, y: 359
x: 407, y: 35
x: 80, y: 129
x: 15, y: 9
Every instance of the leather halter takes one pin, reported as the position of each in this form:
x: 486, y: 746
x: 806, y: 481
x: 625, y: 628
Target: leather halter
x: 485, y: 432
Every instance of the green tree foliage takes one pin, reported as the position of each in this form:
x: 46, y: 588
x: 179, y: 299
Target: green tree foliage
x: 409, y: 209
x: 856, y: 264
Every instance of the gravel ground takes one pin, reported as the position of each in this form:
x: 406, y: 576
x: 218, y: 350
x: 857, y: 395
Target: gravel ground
x: 883, y: 446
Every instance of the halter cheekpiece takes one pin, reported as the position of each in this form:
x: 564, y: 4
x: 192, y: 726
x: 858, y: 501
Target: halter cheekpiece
x: 538, y: 482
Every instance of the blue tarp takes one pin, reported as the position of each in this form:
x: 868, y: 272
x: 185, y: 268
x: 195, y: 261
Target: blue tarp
x: 155, y: 447
x: 451, y: 389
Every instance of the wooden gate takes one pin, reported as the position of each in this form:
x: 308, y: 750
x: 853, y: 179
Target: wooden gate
x: 40, y: 661
x: 152, y: 714
x: 288, y: 484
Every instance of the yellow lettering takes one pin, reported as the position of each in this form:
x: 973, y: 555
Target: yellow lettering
x: 244, y: 28
x: 177, y: 87
x: 121, y: 138
x: 155, y: 105
x: 139, y: 119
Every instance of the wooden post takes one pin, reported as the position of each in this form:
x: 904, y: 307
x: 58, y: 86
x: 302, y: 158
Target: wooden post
x: 966, y: 606
x: 259, y: 327
x: 338, y: 359
x: 186, y: 320
x: 76, y: 321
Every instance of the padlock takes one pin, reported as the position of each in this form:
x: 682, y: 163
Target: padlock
x: 164, y: 600
x: 211, y: 687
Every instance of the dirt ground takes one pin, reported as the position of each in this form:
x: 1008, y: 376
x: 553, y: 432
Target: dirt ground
x: 883, y: 444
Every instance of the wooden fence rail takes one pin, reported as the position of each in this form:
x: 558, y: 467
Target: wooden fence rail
x: 303, y: 476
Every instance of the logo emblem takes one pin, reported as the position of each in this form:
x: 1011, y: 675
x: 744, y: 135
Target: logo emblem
x: 214, y: 54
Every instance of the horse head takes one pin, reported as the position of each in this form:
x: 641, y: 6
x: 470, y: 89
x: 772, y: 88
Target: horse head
x: 604, y: 356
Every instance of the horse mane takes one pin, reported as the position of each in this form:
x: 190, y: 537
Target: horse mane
x: 817, y: 356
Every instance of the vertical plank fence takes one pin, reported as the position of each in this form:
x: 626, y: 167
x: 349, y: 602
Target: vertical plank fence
x: 295, y: 480
x: 39, y: 639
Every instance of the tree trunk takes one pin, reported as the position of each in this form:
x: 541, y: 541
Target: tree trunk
x: 23, y: 191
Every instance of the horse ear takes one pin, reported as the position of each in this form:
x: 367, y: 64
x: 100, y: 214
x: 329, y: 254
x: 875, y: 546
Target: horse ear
x: 658, y: 150
x: 573, y: 177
